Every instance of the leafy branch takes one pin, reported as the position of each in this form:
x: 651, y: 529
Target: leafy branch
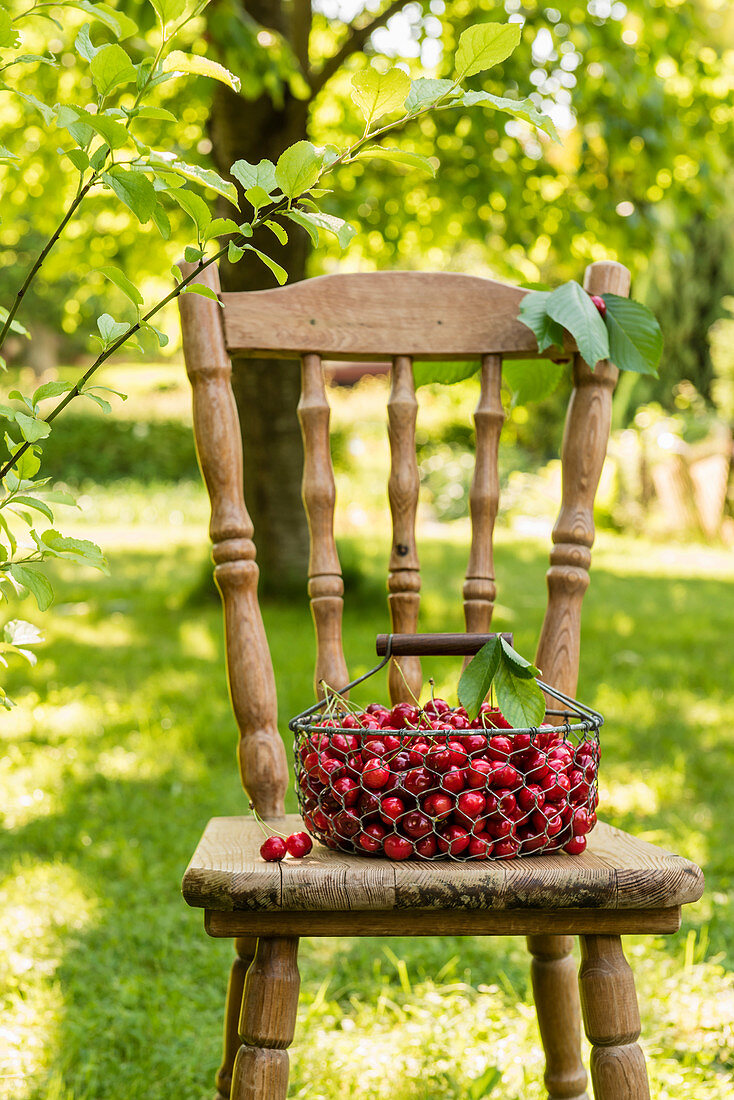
x: 497, y: 665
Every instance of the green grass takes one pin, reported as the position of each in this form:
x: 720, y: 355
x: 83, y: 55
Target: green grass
x: 123, y: 746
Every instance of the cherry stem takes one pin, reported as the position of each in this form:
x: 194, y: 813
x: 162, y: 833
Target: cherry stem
x: 268, y: 830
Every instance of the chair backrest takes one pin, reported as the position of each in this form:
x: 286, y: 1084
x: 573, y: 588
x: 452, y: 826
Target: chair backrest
x: 383, y: 315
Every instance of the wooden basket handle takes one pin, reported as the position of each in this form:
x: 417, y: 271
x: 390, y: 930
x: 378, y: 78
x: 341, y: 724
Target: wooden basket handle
x: 435, y: 645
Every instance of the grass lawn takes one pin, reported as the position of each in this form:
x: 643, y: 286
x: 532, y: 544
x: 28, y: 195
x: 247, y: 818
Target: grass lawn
x: 123, y: 745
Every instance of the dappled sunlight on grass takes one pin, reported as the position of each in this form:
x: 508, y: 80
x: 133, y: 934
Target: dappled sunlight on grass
x: 124, y: 745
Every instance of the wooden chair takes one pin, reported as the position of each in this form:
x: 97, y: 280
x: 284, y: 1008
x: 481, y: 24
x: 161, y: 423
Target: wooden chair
x: 619, y: 885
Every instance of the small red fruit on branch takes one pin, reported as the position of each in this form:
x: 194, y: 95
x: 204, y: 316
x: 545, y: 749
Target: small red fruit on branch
x: 600, y: 304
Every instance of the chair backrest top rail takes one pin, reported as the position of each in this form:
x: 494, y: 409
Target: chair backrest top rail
x: 380, y: 314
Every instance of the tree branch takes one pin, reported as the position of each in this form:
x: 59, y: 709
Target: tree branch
x: 355, y: 41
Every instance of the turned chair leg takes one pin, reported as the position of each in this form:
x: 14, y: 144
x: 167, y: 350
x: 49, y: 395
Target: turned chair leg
x: 556, y: 996
x: 245, y: 953
x: 611, y: 1020
x: 267, y: 1021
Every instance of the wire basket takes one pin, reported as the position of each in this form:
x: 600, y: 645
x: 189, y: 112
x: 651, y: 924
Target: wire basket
x: 425, y: 783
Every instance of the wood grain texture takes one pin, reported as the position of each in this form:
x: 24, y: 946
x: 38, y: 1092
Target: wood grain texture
x: 261, y: 752
x: 442, y: 922
x: 376, y: 315
x: 555, y: 992
x: 584, y: 448
x: 325, y: 584
x: 480, y: 589
x: 267, y: 1020
x: 244, y: 954
x: 404, y: 579
x: 611, y: 1020
x: 615, y: 872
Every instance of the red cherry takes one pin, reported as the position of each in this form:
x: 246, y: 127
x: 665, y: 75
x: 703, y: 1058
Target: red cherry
x: 556, y: 785
x: 507, y: 848
x: 581, y: 822
x: 391, y: 809
x: 403, y: 716
x: 500, y: 828
x: 530, y: 797
x: 397, y: 847
x: 453, y: 839
x: 453, y: 780
x: 369, y: 804
x: 474, y: 743
x: 493, y: 718
x: 575, y: 846
x: 499, y: 748
x: 600, y: 304
x: 273, y: 849
x: 416, y: 824
x: 321, y: 821
x: 439, y: 759
x: 346, y: 790
x: 436, y: 707
x: 375, y: 774
x: 438, y: 805
x: 298, y: 845
x: 417, y: 781
x: 347, y: 824
x: 371, y: 837
x: 471, y: 804
x: 426, y: 847
x: 374, y: 747
x: 480, y: 846
x: 477, y: 774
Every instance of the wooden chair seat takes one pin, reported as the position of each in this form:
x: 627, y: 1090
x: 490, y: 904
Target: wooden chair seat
x: 619, y: 884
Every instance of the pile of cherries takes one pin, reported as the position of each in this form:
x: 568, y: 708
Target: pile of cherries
x: 411, y: 782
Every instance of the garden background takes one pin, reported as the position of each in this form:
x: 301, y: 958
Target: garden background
x: 122, y: 743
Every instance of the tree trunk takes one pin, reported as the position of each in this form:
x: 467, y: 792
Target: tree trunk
x: 267, y: 391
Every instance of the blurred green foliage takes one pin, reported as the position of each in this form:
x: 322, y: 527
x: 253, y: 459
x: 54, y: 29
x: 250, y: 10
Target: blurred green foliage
x: 110, y: 449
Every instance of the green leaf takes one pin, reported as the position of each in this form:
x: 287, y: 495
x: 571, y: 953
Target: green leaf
x: 31, y: 428
x: 519, y: 108
x: 532, y: 313
x: 160, y: 336
x: 37, y: 584
x: 79, y: 550
x: 122, y: 283
x: 298, y: 169
x: 377, y: 94
x: 531, y: 379
x: 257, y: 197
x: 520, y: 699
x: 343, y: 231
x: 51, y: 389
x: 159, y: 113
x: 111, y: 67
x: 517, y: 663
x: 635, y: 339
x: 397, y: 156
x: 426, y: 90
x: 255, y: 175
x: 477, y: 677
x: 280, y: 273
x: 427, y: 371
x: 5, y: 154
x: 168, y: 10
x: 207, y: 177
x: 15, y: 326
x: 234, y: 253
x: 485, y: 45
x: 572, y: 307
x: 120, y: 24
x: 33, y: 502
x: 84, y: 44
x: 196, y: 208
x: 219, y: 226
x: 161, y: 222
x: 279, y: 231
x: 4, y: 526
x: 9, y: 37
x: 49, y: 113
x: 112, y: 131
x: 78, y: 158
x: 180, y: 63
x: 192, y: 255
x: 134, y: 190
x: 110, y: 329
x: 204, y: 291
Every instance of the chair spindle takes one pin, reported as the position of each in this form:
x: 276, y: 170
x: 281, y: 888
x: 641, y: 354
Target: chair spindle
x: 404, y: 579
x: 480, y: 589
x: 325, y: 584
x: 261, y: 752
